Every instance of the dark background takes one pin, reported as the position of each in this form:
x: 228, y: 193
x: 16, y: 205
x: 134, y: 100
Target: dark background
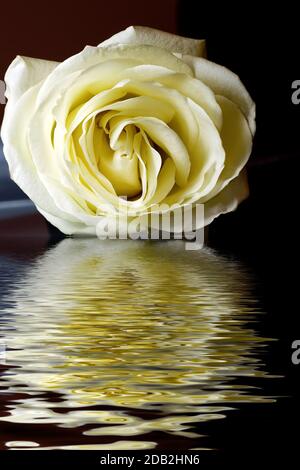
x: 262, y: 46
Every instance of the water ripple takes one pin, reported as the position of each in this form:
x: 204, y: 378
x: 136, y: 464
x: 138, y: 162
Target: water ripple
x: 121, y: 339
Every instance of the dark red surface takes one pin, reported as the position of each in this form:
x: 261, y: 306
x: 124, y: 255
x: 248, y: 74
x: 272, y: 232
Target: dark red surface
x: 58, y: 29
x: 20, y: 234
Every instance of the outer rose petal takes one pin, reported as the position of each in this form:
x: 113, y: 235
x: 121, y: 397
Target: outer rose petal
x: 237, y: 142
x: 21, y: 166
x: 23, y: 73
x: 154, y: 37
x: 228, y: 199
x: 66, y: 227
x: 225, y: 83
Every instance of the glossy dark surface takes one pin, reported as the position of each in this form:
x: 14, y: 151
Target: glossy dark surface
x: 126, y: 344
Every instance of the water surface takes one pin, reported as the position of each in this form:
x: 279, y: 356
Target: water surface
x: 125, y: 345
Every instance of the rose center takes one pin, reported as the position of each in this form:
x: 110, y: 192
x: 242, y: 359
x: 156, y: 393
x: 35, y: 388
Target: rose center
x: 119, y: 164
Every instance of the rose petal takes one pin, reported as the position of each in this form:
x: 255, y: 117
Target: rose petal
x: 184, y: 84
x: 237, y: 142
x: 165, y: 181
x: 207, y: 157
x: 24, y: 73
x: 164, y: 137
x: 228, y: 199
x: 90, y: 57
x: 155, y: 37
x: 65, y: 226
x: 17, y: 154
x: 224, y: 82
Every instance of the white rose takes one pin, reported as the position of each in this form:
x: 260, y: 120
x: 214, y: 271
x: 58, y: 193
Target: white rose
x: 143, y: 115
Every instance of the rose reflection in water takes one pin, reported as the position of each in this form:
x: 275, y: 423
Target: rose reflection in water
x: 127, y: 326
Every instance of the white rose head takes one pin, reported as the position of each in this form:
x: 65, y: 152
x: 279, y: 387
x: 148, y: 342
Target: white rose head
x: 141, y: 121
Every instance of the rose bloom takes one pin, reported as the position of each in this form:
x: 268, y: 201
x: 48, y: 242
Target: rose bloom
x: 140, y: 122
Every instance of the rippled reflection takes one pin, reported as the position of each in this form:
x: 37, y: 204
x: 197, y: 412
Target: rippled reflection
x: 119, y: 326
